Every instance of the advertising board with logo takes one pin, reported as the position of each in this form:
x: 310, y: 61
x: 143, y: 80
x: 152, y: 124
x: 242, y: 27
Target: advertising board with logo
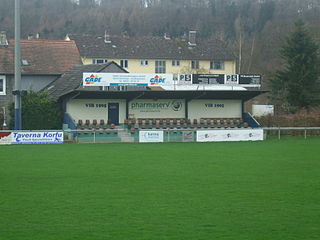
x: 148, y: 108
x: 151, y: 136
x: 5, y: 138
x: 127, y: 79
x: 247, y: 80
x: 37, y: 137
x: 229, y: 135
x: 187, y: 136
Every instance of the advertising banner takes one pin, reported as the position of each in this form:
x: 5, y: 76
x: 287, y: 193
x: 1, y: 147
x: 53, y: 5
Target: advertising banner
x: 127, y: 79
x: 183, y: 79
x: 37, y: 137
x: 187, y: 136
x: 247, y: 80
x: 208, y: 78
x: 229, y: 135
x: 250, y: 79
x: 5, y: 138
x: 151, y: 136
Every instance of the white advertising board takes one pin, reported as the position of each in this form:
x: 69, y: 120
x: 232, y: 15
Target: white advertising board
x: 151, y: 108
x: 37, y: 137
x: 127, y: 79
x: 5, y: 138
x: 229, y: 135
x: 151, y: 136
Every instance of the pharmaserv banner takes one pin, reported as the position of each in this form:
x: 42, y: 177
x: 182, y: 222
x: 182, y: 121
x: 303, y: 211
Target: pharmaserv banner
x: 247, y: 80
x: 127, y: 79
x: 229, y: 135
x: 37, y: 137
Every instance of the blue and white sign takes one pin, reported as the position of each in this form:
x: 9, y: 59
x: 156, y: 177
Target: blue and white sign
x: 37, y: 137
x: 127, y: 79
x: 151, y: 136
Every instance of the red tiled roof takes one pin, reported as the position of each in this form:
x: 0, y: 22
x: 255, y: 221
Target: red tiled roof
x: 43, y: 56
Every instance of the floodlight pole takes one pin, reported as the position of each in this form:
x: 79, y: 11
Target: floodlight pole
x: 17, y: 68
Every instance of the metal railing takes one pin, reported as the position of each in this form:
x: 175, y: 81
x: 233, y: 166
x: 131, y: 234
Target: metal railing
x: 169, y: 135
x: 290, y: 130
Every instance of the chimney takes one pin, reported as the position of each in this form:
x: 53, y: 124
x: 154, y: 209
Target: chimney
x: 192, y: 38
x: 107, y: 38
x: 3, y: 39
x: 167, y: 36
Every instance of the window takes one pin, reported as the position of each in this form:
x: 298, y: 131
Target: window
x: 160, y: 66
x: 144, y: 63
x: 99, y: 61
x: 24, y: 62
x: 175, y: 63
x: 217, y: 65
x: 124, y: 63
x: 195, y: 64
x: 2, y: 85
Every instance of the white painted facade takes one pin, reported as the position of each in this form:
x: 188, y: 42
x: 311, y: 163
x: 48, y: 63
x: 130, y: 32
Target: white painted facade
x: 90, y: 109
x: 213, y: 108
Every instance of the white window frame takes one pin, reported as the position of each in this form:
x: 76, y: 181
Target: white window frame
x: 213, y: 65
x: 124, y: 63
x: 195, y: 64
x: 176, y: 63
x: 95, y: 60
x: 160, y: 66
x: 3, y: 78
x: 144, y: 62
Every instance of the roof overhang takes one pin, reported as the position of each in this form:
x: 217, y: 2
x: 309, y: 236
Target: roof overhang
x: 147, y: 94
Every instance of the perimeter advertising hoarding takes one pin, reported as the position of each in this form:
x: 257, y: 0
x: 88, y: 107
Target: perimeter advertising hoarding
x: 127, y: 79
x: 37, y: 137
x: 5, y: 138
x: 229, y: 135
x: 151, y: 136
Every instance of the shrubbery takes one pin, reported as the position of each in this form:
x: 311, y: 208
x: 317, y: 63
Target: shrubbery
x: 303, y: 118
x: 39, y: 111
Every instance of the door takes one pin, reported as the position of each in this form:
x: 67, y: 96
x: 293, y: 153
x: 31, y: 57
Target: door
x: 113, y: 113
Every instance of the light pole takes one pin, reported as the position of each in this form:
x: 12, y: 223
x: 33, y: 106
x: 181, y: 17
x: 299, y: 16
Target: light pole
x: 17, y: 68
x: 4, y: 125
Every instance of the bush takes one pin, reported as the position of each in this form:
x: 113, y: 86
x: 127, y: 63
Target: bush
x: 302, y: 118
x: 39, y: 111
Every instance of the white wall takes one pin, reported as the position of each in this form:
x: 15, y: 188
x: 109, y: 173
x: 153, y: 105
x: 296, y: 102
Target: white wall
x: 149, y: 108
x: 157, y: 108
x: 262, y: 110
x: 94, y: 109
x: 214, y: 109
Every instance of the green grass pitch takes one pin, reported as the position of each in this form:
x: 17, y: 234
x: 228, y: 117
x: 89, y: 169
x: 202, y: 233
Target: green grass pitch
x: 182, y: 191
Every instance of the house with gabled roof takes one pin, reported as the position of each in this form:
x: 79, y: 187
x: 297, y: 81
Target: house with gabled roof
x: 149, y: 54
x: 42, y: 61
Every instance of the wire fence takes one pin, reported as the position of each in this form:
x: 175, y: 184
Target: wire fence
x: 180, y: 135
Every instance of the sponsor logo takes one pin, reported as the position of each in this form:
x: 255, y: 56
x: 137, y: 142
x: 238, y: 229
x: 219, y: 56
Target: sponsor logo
x: 176, y: 106
x: 151, y: 135
x: 157, y: 80
x: 37, y: 137
x: 92, y: 79
x: 4, y: 134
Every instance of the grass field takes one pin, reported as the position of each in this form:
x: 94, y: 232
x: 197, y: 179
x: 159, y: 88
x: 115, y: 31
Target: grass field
x: 182, y: 191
